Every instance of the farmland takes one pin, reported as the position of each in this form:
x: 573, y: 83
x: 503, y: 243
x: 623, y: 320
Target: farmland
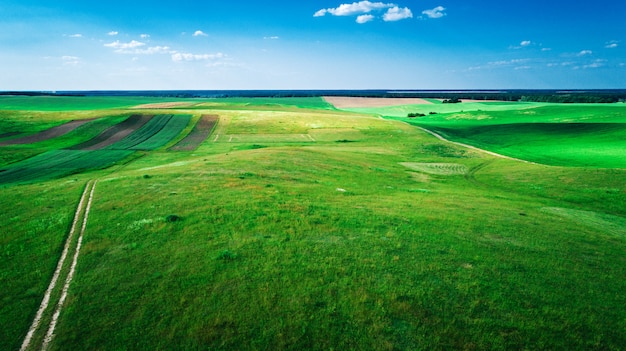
x: 291, y: 224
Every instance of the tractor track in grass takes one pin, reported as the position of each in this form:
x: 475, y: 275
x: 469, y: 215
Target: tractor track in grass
x: 52, y: 293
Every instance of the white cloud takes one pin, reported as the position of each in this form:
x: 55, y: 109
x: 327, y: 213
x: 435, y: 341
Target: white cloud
x: 154, y: 50
x: 122, y: 46
x: 75, y: 35
x: 136, y: 48
x: 70, y: 60
x: 113, y: 33
x: 437, y: 12
x: 363, y: 10
x: 397, y: 14
x: 320, y: 13
x: 611, y: 44
x: 364, y: 19
x: 596, y: 64
x: 356, y: 8
x: 200, y: 33
x: 546, y: 49
x: 271, y: 38
x: 179, y: 57
x: 509, y: 62
x: 584, y: 53
x: 145, y: 36
x: 526, y: 43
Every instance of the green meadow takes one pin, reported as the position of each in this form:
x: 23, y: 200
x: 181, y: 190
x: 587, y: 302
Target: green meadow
x: 297, y: 226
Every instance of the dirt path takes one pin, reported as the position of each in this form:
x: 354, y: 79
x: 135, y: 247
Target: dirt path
x: 82, y: 211
x: 473, y: 147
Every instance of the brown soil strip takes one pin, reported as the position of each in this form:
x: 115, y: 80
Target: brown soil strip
x: 115, y: 133
x: 47, y: 134
x: 357, y: 102
x: 164, y: 105
x: 6, y: 135
x: 200, y: 132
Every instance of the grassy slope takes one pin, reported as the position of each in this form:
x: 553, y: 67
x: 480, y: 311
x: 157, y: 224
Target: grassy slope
x: 273, y: 254
x: 562, y: 135
x: 75, y: 103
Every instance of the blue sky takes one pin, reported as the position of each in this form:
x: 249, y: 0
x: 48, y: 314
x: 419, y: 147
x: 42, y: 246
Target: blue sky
x: 321, y: 44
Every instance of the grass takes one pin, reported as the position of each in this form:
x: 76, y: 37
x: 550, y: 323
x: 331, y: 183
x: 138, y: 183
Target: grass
x: 396, y: 241
x: 585, y: 135
x: 74, y: 103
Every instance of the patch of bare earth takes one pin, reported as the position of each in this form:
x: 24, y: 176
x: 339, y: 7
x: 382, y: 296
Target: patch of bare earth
x: 48, y: 133
x: 200, y: 132
x: 161, y: 105
x: 115, y: 133
x: 357, y: 102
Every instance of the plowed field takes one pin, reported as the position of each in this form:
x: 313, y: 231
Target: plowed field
x: 114, y: 133
x: 200, y: 132
x: 47, y: 134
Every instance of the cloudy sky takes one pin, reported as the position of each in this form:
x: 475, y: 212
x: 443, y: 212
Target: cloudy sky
x: 316, y: 44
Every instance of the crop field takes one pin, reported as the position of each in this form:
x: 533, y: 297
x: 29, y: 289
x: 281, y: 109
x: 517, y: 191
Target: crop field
x: 201, y: 130
x: 112, y: 145
x: 290, y: 224
x: 174, y: 126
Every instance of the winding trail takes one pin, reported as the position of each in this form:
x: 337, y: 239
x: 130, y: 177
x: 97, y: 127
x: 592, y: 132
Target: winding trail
x: 82, y: 211
x: 438, y: 136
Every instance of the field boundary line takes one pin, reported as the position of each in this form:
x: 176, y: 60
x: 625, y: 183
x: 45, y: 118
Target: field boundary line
x: 438, y: 136
x: 70, y: 276
x: 55, y: 277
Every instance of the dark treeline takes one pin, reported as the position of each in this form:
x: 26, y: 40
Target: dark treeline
x: 575, y: 96
x: 560, y: 96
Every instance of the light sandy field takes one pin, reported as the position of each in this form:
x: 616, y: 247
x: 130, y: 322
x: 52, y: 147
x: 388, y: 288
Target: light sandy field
x: 164, y: 105
x: 356, y: 102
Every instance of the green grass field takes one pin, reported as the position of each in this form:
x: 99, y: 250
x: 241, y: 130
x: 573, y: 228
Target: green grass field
x: 313, y: 228
x: 586, y: 135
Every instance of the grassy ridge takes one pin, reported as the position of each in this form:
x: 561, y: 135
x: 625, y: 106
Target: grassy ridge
x: 373, y: 236
x: 563, y: 135
x: 569, y: 144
